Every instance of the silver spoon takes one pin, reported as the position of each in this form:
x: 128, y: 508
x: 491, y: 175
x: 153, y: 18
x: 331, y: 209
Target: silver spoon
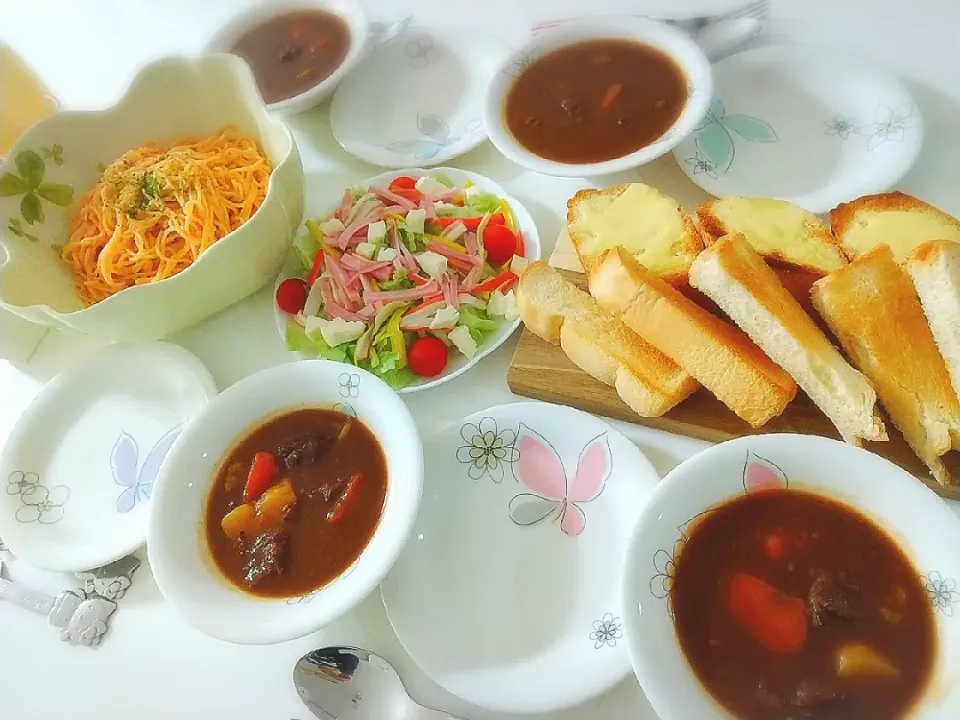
x: 346, y: 683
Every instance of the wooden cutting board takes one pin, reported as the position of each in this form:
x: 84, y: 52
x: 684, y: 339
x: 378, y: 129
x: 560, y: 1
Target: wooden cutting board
x: 543, y: 372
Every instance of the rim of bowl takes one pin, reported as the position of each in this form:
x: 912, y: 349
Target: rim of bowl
x: 164, y: 565
x: 644, y: 655
x: 688, y: 56
x: 182, y: 63
x: 349, y: 10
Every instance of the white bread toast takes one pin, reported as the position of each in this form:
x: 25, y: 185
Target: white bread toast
x: 735, y: 276
x: 874, y: 311
x: 934, y: 267
x: 599, y: 344
x: 720, y: 356
x: 901, y: 221
x: 783, y: 233
x: 650, y: 226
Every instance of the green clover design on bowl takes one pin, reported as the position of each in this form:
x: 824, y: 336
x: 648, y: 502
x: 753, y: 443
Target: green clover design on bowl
x: 716, y: 136
x: 28, y: 182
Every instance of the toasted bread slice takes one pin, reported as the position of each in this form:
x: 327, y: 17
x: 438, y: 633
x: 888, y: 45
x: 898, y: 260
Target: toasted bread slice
x: 736, y: 277
x: 650, y: 226
x: 713, y: 351
x: 555, y: 310
x: 874, y: 311
x: 783, y: 233
x: 934, y: 267
x: 901, y: 221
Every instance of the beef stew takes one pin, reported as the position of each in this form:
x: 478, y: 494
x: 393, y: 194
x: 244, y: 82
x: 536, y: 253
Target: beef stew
x: 293, y: 52
x: 295, y: 502
x: 789, y: 605
x: 595, y: 100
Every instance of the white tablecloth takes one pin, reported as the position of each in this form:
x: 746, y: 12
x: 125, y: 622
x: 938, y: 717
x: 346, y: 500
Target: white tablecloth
x: 152, y: 665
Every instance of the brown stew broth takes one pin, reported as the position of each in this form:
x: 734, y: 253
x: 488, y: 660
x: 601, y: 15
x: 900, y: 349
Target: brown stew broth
x: 822, y: 537
x: 316, y: 551
x: 595, y: 101
x: 291, y: 53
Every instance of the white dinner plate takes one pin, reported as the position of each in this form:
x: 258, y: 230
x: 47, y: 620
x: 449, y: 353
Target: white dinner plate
x: 507, y: 592
x: 807, y: 124
x: 417, y: 100
x: 79, y: 467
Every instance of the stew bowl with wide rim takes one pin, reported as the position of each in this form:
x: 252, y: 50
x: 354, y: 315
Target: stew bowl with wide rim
x: 923, y: 526
x: 182, y: 565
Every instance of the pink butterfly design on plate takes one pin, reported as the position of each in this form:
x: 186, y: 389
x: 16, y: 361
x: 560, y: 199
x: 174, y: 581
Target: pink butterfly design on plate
x: 761, y: 474
x: 137, y: 480
x: 540, y: 469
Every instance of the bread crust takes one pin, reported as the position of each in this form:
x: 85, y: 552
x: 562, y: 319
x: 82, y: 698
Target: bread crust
x: 599, y: 344
x: 844, y: 214
x: 736, y: 276
x: 694, y: 242
x: 874, y: 311
x: 720, y: 356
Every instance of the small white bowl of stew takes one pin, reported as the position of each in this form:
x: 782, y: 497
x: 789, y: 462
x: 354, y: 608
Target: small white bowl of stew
x: 285, y: 502
x: 598, y: 97
x: 792, y: 576
x: 298, y: 50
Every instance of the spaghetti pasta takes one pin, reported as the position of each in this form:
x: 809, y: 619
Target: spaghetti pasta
x: 157, y: 208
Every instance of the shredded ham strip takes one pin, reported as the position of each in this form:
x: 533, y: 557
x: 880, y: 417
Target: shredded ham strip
x: 392, y: 197
x: 405, y: 295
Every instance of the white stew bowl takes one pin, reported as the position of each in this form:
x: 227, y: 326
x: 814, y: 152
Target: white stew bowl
x: 924, y: 527
x: 673, y: 43
x: 179, y: 557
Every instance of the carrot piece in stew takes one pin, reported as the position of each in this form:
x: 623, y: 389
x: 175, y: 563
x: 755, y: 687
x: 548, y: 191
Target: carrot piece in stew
x: 263, y: 470
x: 775, y: 620
x: 349, y: 496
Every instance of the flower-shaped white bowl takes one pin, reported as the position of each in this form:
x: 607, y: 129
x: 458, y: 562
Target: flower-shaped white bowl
x: 57, y: 160
x: 684, y: 51
x: 458, y: 363
x: 926, y: 529
x: 179, y: 558
x: 349, y: 10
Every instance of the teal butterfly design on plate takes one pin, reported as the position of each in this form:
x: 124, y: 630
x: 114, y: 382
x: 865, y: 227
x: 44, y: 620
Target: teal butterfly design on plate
x: 715, y: 138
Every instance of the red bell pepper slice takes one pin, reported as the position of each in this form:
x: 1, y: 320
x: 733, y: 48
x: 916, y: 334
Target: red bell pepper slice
x: 501, y: 282
x: 263, y: 470
x: 349, y: 497
x: 315, y: 269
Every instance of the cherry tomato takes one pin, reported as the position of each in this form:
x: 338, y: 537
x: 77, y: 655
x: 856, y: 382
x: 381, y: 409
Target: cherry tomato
x: 292, y: 295
x: 427, y: 356
x: 402, y: 183
x: 500, y: 243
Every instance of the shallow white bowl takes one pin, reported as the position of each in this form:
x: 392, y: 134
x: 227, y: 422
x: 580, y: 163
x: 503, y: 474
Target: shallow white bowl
x: 168, y: 99
x: 926, y: 529
x: 352, y: 15
x: 458, y: 364
x: 179, y: 557
x: 684, y: 51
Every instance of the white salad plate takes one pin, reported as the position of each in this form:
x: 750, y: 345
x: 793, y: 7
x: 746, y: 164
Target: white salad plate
x: 417, y: 100
x: 507, y: 593
x: 808, y: 124
x: 920, y: 522
x: 79, y: 467
x: 458, y: 364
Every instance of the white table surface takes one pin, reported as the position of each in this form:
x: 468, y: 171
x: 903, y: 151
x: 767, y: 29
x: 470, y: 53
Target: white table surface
x: 152, y: 665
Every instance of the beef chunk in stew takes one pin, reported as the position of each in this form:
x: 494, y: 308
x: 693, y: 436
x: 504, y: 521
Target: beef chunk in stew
x: 264, y: 557
x: 302, y: 451
x: 832, y: 595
